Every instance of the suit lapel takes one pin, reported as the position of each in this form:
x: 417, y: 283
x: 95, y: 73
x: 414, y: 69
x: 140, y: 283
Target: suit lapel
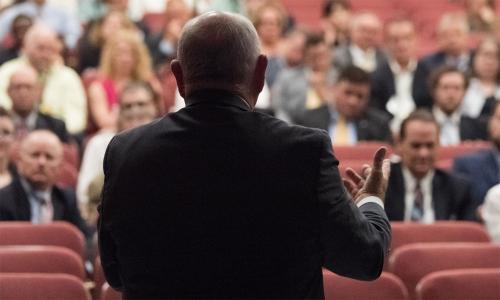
x: 57, y: 204
x: 439, y: 197
x: 22, y: 203
x: 396, y: 194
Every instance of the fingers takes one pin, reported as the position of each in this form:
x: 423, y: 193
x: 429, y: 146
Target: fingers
x: 350, y: 186
x: 386, y: 168
x: 366, y: 170
x: 378, y: 158
x: 354, y: 177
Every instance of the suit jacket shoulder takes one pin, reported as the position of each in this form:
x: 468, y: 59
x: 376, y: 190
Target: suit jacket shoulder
x: 473, y: 129
x: 57, y: 126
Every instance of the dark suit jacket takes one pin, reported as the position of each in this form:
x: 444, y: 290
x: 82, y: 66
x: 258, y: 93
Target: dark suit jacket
x: 481, y: 168
x: 15, y: 206
x: 383, y: 86
x: 217, y: 201
x: 373, y: 126
x: 343, y: 57
x: 421, y: 91
x: 50, y: 123
x: 473, y: 129
x: 451, y: 196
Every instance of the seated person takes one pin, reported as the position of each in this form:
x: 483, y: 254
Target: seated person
x: 33, y: 195
x: 137, y: 107
x: 482, y: 167
x: 448, y: 85
x: 490, y: 213
x: 7, y: 171
x: 347, y: 116
x: 417, y: 190
x: 24, y: 90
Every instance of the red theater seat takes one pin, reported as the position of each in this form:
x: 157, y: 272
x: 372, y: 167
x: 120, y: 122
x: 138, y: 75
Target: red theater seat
x: 387, y: 286
x: 412, y: 262
x: 35, y: 286
x: 57, y: 233
x: 464, y: 284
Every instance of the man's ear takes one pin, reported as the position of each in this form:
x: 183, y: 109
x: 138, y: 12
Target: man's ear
x: 259, y: 76
x: 175, y: 65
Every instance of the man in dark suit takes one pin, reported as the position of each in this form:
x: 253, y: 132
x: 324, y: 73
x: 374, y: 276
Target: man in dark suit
x: 448, y: 85
x: 482, y: 168
x: 417, y: 190
x: 33, y: 195
x: 453, y: 40
x: 392, y: 81
x: 219, y: 201
x: 24, y: 91
x: 347, y: 116
x: 362, y: 50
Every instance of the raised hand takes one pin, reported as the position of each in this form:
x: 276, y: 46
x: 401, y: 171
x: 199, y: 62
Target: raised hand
x: 373, y: 181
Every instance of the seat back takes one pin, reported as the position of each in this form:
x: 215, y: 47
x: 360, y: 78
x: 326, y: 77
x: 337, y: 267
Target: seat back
x: 108, y: 293
x: 404, y: 233
x: 36, y: 286
x: 40, y: 259
x: 387, y: 286
x: 412, y: 262
x: 57, y: 233
x: 460, y: 285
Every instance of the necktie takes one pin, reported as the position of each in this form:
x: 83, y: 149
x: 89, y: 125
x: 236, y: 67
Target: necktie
x: 418, y: 204
x: 46, y: 212
x: 341, y: 135
x: 313, y: 100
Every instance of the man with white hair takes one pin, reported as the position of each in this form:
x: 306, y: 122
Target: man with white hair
x: 363, y: 49
x: 218, y: 201
x: 63, y: 95
x: 453, y: 41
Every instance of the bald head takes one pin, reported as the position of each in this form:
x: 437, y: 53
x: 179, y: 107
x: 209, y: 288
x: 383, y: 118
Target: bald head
x: 24, y: 90
x: 40, y: 157
x: 41, y: 46
x: 217, y: 50
x: 366, y: 29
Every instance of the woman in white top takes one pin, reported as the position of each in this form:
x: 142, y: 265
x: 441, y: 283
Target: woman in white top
x: 484, y: 86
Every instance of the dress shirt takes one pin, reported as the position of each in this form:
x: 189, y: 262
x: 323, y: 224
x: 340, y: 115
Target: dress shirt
x: 475, y: 98
x: 40, y: 212
x: 352, y: 134
x: 461, y: 62
x: 449, y: 127
x: 29, y: 121
x: 401, y: 104
x: 63, y: 93
x: 491, y: 213
x: 410, y: 183
x: 58, y: 19
x: 365, y: 60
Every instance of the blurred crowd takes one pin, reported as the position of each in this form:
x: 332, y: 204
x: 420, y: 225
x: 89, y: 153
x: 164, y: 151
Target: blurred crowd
x: 83, y: 70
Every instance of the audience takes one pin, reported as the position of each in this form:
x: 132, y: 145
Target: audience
x: 33, y: 195
x: 392, y: 80
x: 59, y: 20
x: 125, y: 58
x: 335, y: 22
x: 480, y: 15
x: 447, y: 86
x: 163, y: 46
x: 270, y: 19
x: 452, y: 39
x: 306, y: 86
x: 363, y: 48
x: 7, y: 170
x: 63, y: 95
x: 24, y: 90
x: 490, y: 212
x: 484, y: 86
x: 347, y: 116
x: 417, y: 190
x: 483, y: 167
x: 138, y: 105
x: 98, y: 33
x: 18, y: 29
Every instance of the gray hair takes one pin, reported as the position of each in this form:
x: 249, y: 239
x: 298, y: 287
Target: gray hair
x: 218, y: 48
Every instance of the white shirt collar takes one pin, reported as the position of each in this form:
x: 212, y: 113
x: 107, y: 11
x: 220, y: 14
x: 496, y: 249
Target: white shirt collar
x: 397, y: 69
x: 441, y: 117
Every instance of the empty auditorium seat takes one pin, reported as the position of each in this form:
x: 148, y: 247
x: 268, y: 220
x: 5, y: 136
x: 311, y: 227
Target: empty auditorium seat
x: 412, y: 262
x: 41, y: 259
x: 108, y: 293
x: 57, y: 233
x: 404, y: 233
x: 460, y: 284
x: 388, y: 286
x: 36, y: 286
